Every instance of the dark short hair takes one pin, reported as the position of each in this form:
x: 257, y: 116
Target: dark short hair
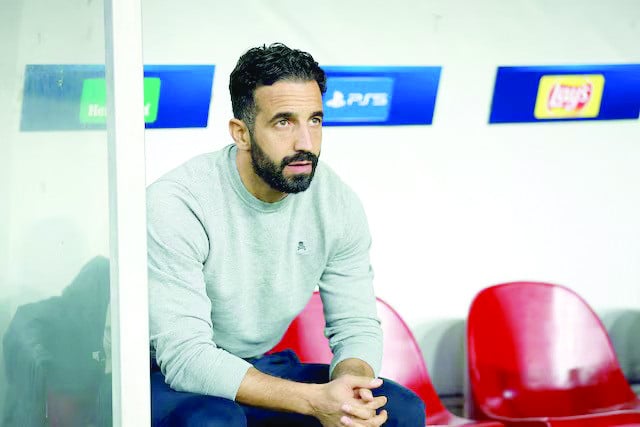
x: 264, y: 66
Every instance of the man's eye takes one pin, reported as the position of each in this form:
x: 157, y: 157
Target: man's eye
x: 282, y: 122
x: 316, y: 120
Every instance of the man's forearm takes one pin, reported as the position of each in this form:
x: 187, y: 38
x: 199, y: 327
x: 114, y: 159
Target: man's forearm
x: 352, y: 366
x: 331, y: 403
x: 266, y: 391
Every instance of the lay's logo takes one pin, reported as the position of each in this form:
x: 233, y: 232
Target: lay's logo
x: 569, y: 96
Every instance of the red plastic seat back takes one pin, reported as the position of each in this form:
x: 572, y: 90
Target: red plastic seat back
x: 537, y: 349
x: 402, y: 359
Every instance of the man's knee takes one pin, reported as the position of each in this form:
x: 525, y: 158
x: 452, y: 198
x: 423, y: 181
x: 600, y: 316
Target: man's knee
x: 207, y: 411
x: 404, y: 407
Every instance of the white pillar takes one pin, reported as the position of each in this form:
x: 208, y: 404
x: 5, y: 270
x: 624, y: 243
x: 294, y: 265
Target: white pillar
x: 125, y: 132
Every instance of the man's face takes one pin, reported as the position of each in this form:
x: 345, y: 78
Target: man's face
x: 287, y: 134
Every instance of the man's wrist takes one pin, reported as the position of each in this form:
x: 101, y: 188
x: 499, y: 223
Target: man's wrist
x: 352, y: 366
x: 310, y: 396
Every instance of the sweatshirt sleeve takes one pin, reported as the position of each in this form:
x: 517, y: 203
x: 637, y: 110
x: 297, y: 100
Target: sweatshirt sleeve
x: 179, y: 308
x: 348, y: 297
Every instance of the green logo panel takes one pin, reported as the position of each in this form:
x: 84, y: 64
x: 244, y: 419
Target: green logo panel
x: 93, y: 105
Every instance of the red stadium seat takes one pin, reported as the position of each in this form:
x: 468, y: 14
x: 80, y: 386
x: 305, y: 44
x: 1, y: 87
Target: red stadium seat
x: 402, y: 361
x: 539, y: 356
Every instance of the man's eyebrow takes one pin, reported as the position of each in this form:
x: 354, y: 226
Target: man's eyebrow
x: 282, y: 115
x: 288, y: 115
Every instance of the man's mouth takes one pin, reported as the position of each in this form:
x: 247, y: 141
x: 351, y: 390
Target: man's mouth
x: 299, y: 167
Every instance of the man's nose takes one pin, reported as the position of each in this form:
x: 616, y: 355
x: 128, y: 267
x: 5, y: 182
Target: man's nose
x: 303, y: 139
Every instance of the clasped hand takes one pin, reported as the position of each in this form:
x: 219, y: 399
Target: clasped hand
x: 348, y: 401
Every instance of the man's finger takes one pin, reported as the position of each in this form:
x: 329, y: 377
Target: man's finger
x: 379, y: 419
x: 361, y: 412
x: 362, y: 382
x: 375, y: 421
x: 377, y: 402
x: 365, y: 394
x: 346, y: 421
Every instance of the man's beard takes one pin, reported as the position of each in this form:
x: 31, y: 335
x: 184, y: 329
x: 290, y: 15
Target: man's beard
x: 273, y: 174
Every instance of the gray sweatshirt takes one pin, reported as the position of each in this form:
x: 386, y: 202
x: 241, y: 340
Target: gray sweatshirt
x: 229, y: 272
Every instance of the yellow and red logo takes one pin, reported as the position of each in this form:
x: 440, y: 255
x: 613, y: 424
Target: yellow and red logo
x: 569, y: 96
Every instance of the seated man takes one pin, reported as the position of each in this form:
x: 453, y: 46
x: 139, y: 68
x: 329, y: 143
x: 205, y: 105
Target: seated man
x: 238, y: 240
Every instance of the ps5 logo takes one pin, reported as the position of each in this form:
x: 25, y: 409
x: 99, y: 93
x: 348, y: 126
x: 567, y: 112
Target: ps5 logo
x: 363, y: 98
x: 376, y: 99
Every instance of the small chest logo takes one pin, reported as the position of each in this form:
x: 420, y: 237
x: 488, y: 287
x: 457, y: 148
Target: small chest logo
x: 301, y: 249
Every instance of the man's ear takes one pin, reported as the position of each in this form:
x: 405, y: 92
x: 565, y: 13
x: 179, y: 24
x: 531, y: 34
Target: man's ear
x: 240, y: 134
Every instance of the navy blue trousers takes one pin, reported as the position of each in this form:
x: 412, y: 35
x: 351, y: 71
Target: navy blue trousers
x: 170, y: 408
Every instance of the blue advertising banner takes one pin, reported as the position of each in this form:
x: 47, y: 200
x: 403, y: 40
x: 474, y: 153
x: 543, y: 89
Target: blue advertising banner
x: 561, y: 93
x: 73, y: 97
x: 381, y: 96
